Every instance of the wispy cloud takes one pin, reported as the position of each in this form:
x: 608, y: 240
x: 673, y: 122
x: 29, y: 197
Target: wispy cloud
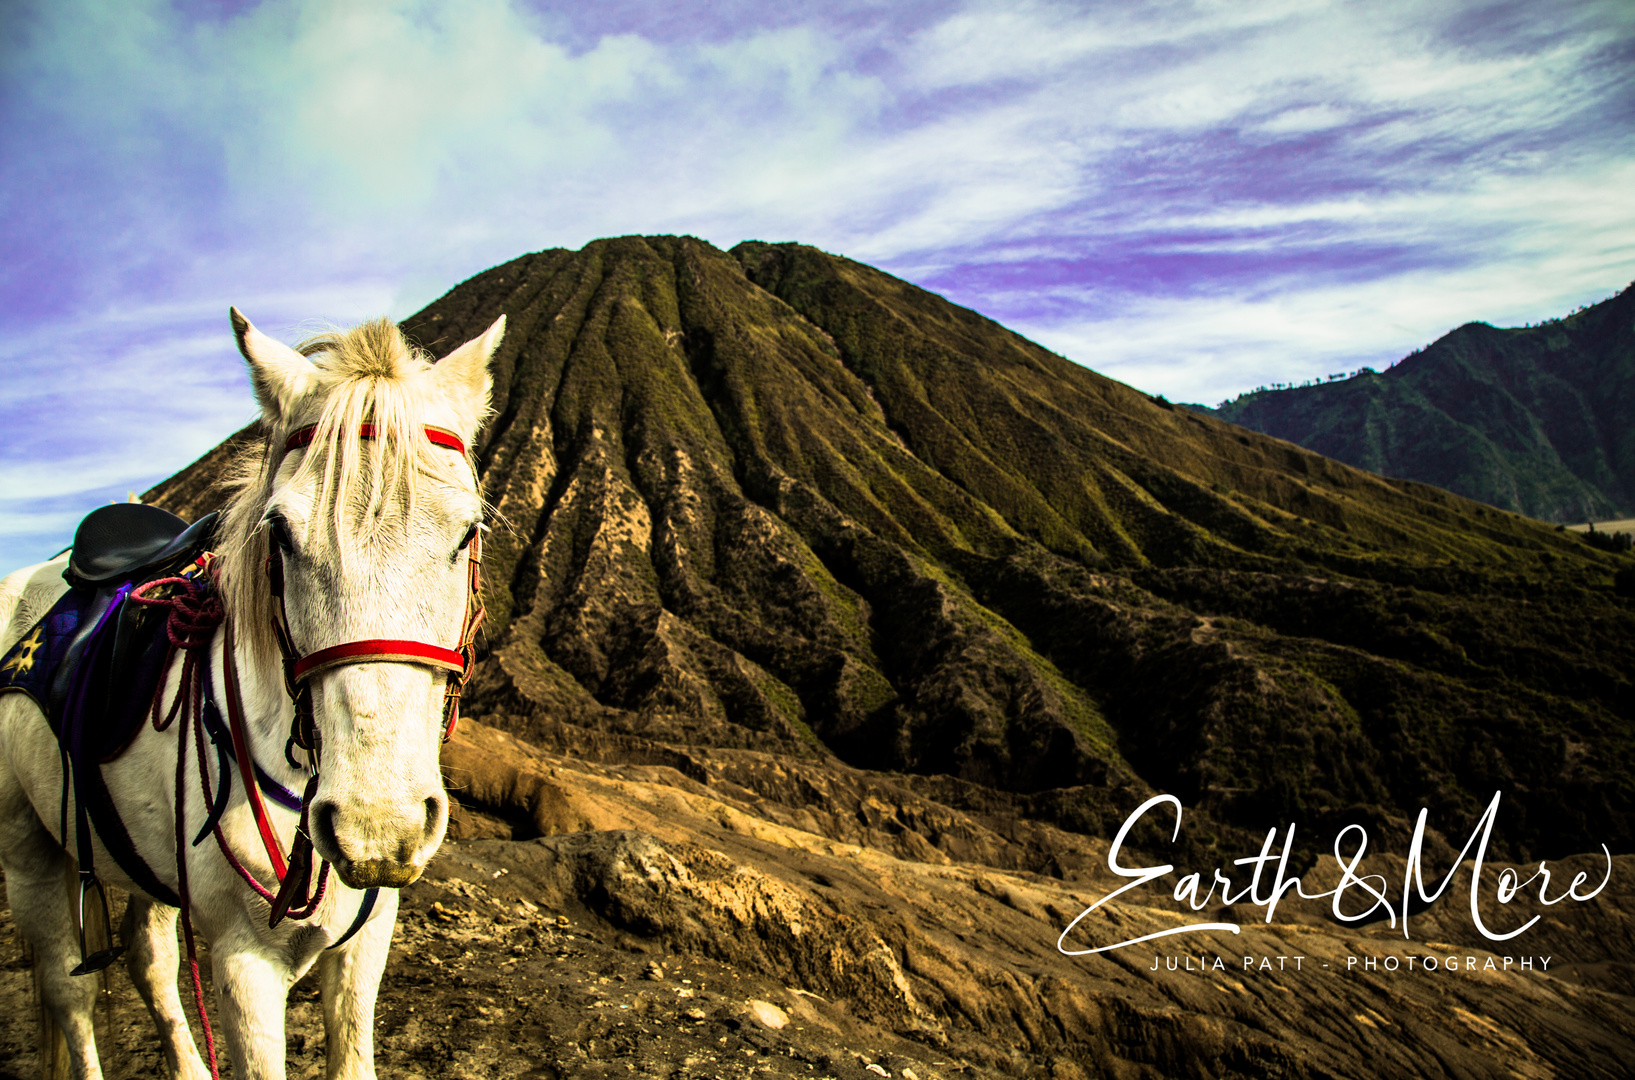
x: 1194, y: 196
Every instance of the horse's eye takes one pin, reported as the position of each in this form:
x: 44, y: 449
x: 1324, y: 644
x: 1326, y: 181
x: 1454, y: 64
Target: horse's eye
x: 465, y: 542
x: 280, y: 531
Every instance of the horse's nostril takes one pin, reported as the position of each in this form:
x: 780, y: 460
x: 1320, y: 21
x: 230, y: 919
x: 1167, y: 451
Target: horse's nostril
x: 434, y: 813
x: 323, y: 820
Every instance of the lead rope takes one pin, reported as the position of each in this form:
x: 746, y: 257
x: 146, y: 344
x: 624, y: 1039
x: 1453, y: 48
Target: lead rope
x: 195, y: 612
x: 187, y: 898
x: 194, y: 615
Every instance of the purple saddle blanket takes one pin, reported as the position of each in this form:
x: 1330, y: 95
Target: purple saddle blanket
x: 92, y: 664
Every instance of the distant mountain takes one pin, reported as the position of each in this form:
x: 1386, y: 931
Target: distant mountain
x: 1539, y: 419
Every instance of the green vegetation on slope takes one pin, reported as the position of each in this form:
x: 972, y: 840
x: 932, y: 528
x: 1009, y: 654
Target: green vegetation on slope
x: 1539, y: 420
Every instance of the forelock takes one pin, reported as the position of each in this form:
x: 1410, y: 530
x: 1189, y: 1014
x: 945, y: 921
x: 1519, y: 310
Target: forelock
x: 371, y: 350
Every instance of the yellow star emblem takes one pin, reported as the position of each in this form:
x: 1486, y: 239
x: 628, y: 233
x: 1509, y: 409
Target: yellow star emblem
x: 23, y: 662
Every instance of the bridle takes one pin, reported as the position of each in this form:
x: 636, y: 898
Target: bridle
x: 188, y: 626
x: 298, y: 669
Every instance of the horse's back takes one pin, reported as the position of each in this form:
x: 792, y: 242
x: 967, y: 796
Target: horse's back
x: 27, y: 594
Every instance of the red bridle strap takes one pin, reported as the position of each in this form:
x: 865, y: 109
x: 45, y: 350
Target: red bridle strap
x: 246, y: 767
x: 457, y: 661
x: 435, y: 435
x: 378, y: 651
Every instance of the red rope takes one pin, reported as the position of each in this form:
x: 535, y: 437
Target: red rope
x: 182, y: 888
x: 195, y: 612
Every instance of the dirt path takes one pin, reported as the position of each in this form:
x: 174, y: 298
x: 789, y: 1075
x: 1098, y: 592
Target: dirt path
x: 760, y: 916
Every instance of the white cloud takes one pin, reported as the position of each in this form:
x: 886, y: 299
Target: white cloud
x: 409, y: 135
x: 1302, y: 118
x: 1210, y: 348
x: 1367, y: 174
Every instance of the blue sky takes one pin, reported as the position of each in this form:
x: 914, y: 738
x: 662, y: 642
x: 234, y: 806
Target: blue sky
x: 1192, y: 197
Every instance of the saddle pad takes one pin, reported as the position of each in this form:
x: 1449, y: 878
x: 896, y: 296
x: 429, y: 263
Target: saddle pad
x: 73, y: 644
x: 94, y: 712
x: 29, y: 665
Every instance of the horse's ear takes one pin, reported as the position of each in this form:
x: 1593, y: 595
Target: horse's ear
x: 463, y: 375
x: 279, y: 374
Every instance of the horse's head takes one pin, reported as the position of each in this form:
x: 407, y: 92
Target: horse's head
x: 371, y: 521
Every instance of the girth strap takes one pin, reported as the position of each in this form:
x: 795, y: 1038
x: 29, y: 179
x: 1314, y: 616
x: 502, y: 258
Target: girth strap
x: 95, y: 809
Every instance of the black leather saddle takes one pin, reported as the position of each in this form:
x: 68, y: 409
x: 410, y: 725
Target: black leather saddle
x: 102, y: 690
x: 122, y: 541
x: 93, y: 663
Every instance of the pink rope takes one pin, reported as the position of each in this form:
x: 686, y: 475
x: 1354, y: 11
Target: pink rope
x: 186, y: 896
x: 195, y: 612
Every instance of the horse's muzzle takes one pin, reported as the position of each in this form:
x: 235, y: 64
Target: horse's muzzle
x: 376, y: 849
x: 378, y: 874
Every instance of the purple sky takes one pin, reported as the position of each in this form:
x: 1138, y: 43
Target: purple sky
x: 1195, y: 198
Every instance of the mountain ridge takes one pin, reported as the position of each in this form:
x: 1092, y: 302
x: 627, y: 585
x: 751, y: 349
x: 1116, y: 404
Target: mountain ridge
x: 837, y: 629
x: 1532, y: 419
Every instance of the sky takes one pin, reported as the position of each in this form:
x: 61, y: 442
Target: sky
x: 1195, y: 198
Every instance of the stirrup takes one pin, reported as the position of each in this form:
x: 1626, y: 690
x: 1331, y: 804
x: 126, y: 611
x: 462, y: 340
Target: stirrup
x: 102, y: 957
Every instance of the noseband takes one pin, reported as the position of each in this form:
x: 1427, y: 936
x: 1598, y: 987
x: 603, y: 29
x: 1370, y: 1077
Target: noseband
x: 298, y: 669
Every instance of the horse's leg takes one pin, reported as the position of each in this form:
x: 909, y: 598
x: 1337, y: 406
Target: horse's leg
x: 38, y: 877
x: 348, y: 978
x: 252, y: 991
x: 149, y: 931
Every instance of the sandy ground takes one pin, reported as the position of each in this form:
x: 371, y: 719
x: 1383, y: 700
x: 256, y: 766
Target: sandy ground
x: 483, y: 984
x: 657, y: 925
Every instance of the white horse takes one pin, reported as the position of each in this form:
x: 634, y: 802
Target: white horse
x: 366, y: 496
